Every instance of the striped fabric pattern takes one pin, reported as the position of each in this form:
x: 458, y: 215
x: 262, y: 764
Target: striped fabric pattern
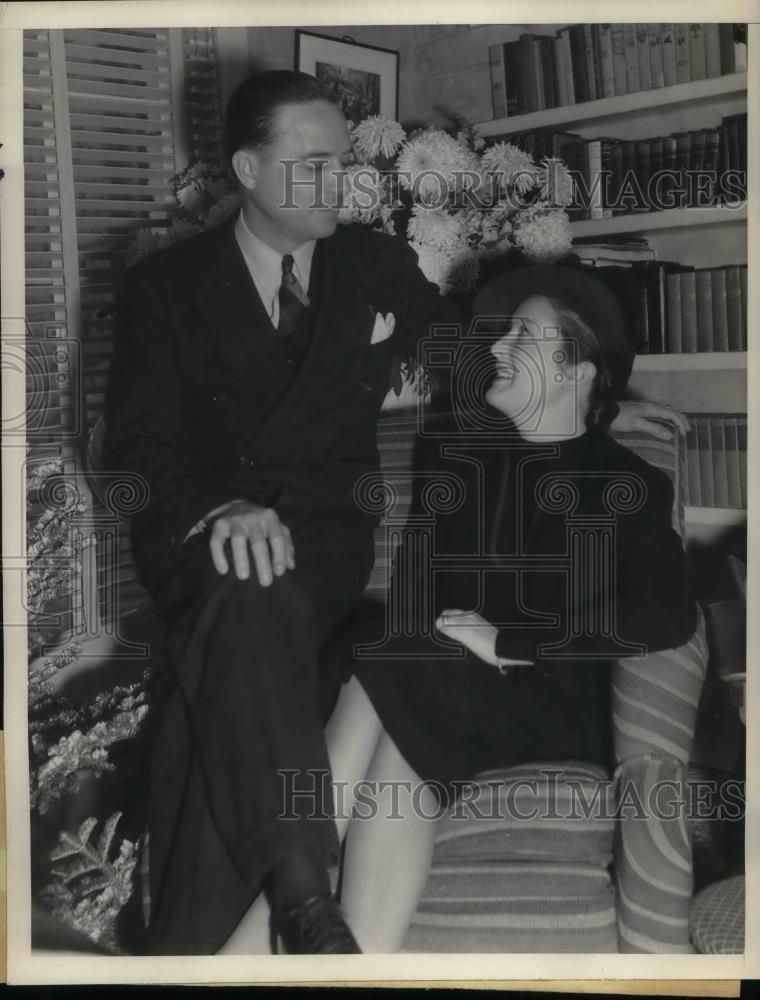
x: 655, y: 699
x: 533, y: 812
x: 522, y: 907
x: 653, y: 862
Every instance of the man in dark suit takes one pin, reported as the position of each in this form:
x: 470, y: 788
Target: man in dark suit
x: 249, y: 368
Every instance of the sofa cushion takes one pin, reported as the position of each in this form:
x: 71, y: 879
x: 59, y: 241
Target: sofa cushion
x: 523, y: 907
x: 532, y: 812
x: 717, y: 918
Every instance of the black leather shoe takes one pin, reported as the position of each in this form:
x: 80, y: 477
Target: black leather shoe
x: 316, y: 927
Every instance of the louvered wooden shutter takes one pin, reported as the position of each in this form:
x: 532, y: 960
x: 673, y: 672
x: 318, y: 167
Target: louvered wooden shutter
x: 110, y: 116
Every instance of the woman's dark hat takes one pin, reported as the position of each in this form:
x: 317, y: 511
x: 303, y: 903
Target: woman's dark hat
x: 578, y: 290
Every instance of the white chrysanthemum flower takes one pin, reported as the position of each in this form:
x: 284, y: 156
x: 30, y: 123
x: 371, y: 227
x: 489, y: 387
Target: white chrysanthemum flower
x: 437, y: 228
x: 542, y: 233
x: 377, y: 136
x: 511, y: 165
x: 428, y: 163
x: 555, y: 182
x: 364, y: 196
x: 452, y: 271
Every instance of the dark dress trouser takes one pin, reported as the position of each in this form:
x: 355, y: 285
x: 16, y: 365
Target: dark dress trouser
x: 247, y: 702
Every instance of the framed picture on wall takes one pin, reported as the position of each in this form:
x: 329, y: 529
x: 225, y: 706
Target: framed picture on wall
x: 365, y: 77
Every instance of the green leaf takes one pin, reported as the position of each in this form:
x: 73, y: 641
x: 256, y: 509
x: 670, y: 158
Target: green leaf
x: 106, y: 837
x: 85, y: 830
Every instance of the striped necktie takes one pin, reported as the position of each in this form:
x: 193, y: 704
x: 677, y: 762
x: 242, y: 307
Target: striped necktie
x: 292, y: 298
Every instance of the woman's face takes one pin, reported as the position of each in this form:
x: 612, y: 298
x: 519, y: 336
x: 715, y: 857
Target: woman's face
x: 531, y: 362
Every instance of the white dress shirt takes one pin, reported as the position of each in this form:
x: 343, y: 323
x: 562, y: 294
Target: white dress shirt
x: 265, y: 266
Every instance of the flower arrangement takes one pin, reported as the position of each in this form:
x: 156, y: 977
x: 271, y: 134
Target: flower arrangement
x: 462, y: 200
x: 69, y: 743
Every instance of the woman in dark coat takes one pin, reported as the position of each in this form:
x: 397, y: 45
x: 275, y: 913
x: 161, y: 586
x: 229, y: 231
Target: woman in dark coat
x: 559, y: 559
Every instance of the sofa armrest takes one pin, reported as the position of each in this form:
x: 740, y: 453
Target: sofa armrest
x: 654, y: 707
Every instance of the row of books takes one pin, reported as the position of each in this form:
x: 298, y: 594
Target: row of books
x: 698, y: 167
x: 585, y: 62
x: 673, y: 308
x: 716, y: 460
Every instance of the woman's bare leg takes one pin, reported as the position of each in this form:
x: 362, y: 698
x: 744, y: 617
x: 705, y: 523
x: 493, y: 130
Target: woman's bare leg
x: 352, y: 736
x: 387, y: 857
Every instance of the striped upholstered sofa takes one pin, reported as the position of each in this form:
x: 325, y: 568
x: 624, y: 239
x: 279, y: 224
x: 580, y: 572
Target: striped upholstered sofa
x: 574, y: 879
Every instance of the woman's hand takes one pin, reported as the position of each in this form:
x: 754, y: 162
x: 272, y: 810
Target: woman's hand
x: 644, y: 415
x: 479, y: 636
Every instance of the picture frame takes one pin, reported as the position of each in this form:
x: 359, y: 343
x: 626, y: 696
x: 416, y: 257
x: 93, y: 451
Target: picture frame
x: 364, y: 76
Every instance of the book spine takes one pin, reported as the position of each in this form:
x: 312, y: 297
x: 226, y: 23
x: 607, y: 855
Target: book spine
x: 733, y: 472
x: 705, y: 334
x: 643, y: 166
x: 669, y: 180
x: 726, y: 36
x: 631, y: 59
x: 616, y: 179
x: 704, y: 451
x: 568, y: 64
x: 631, y: 199
x: 656, y: 164
x: 741, y: 434
x: 605, y: 60
x: 689, y: 311
x: 656, y: 68
x: 618, y: 59
x: 578, y: 56
x: 683, y: 156
x: 673, y: 332
x: 683, y: 63
x: 642, y: 48
x: 734, y: 308
x: 498, y: 81
x: 559, y: 72
x: 594, y: 153
x: 697, y: 60
x: 588, y: 56
x: 720, y: 469
x: 720, y: 309
x: 527, y: 78
x: 547, y: 62
x: 712, y: 49
x: 669, y: 62
x: 710, y: 166
x: 513, y: 82
x: 538, y: 74
x: 606, y: 160
x: 693, y: 490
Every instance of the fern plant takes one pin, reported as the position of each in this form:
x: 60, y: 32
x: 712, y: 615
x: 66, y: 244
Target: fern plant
x: 91, y: 883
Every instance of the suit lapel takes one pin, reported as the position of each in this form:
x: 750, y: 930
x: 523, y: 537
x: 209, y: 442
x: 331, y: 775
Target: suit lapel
x: 237, y: 319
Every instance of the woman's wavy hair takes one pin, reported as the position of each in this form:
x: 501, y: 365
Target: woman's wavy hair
x: 607, y: 389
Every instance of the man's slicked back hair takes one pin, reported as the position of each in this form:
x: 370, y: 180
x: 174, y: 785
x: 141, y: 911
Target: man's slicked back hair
x: 251, y: 110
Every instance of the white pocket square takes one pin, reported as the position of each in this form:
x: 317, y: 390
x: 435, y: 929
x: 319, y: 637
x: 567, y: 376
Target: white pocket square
x: 384, y: 327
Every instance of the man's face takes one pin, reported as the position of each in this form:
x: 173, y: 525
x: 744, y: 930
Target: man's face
x: 299, y: 177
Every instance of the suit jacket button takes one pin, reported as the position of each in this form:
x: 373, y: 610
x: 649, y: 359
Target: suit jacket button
x: 245, y: 460
x: 367, y: 386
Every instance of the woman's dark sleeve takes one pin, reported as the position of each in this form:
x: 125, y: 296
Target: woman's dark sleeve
x: 652, y: 600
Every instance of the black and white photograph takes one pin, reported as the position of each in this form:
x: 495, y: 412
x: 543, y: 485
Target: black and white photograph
x: 376, y: 464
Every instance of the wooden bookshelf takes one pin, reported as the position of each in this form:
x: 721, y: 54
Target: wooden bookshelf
x: 671, y: 218
x: 574, y: 115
